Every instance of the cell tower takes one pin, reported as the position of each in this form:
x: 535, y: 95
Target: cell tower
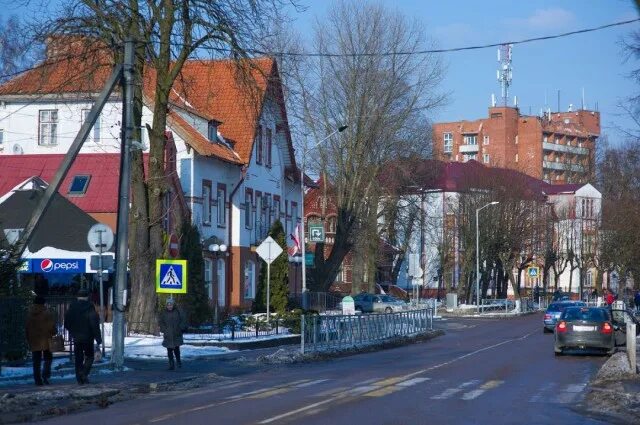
x: 505, y: 73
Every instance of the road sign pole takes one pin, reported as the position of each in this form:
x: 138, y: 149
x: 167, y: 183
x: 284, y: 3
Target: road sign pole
x: 101, y: 290
x: 268, y: 288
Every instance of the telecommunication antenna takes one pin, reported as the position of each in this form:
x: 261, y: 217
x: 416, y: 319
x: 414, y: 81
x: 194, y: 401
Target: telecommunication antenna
x: 505, y: 73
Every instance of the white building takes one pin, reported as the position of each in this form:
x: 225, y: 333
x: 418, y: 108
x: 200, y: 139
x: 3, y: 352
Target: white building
x: 234, y: 155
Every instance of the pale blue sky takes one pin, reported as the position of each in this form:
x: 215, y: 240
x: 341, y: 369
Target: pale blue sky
x: 594, y: 61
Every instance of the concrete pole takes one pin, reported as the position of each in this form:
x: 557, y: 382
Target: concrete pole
x: 117, y: 344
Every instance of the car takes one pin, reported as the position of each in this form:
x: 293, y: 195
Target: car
x: 377, y: 303
x: 554, y: 311
x: 585, y: 328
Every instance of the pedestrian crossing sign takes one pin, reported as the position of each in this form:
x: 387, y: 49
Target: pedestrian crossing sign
x: 171, y: 276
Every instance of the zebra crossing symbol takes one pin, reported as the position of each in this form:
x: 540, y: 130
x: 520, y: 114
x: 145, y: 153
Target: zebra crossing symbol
x: 171, y: 276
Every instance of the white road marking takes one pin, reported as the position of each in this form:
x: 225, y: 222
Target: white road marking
x: 453, y: 391
x: 483, y: 388
x: 412, y: 382
x: 310, y: 383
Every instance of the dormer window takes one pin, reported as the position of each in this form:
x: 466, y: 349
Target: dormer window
x: 213, y: 131
x: 79, y: 185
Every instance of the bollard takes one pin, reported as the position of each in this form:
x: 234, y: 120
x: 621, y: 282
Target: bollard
x: 631, y: 346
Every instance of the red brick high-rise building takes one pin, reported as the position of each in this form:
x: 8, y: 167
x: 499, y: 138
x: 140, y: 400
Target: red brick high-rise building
x: 556, y: 147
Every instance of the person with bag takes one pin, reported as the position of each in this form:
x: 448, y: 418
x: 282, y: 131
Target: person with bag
x: 172, y: 325
x: 83, y: 325
x: 40, y: 327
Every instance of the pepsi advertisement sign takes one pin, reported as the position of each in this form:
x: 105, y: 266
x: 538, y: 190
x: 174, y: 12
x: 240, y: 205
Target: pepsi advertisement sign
x: 55, y: 265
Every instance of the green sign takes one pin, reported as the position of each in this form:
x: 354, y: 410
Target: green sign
x: 308, y: 259
x: 316, y: 233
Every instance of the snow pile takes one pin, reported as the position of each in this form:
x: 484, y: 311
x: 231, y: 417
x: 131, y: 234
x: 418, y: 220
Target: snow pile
x: 282, y: 356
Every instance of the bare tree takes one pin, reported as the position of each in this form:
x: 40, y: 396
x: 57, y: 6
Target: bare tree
x: 365, y: 80
x: 166, y: 35
x: 17, y: 52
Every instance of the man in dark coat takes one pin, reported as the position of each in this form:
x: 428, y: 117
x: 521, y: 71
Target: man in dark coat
x: 172, y: 324
x: 83, y: 325
x: 40, y: 327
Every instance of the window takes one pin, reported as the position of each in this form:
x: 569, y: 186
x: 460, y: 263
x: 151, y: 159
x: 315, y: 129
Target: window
x: 212, y: 130
x: 557, y: 140
x: 268, y: 143
x: 48, y: 127
x: 1, y: 137
x: 258, y: 210
x: 79, y: 185
x: 332, y: 225
x: 516, y: 157
x: 294, y: 215
x: 264, y: 207
x: 485, y: 158
x: 276, y: 207
x: 207, y: 278
x: 249, y: 280
x: 516, y: 139
x: 12, y: 235
x: 269, y: 210
x: 222, y: 207
x: 96, y: 125
x: 248, y: 209
x: 486, y: 140
x: 471, y: 140
x: 166, y: 211
x: 448, y: 142
x: 259, y: 149
x: 545, y: 139
x: 206, y: 202
x: 466, y: 157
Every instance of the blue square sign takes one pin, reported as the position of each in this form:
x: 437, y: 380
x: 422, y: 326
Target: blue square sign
x: 171, y: 276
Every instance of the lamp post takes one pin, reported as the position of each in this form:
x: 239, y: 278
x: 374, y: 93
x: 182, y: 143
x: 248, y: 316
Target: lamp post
x: 218, y: 250
x: 302, y: 225
x: 478, y: 253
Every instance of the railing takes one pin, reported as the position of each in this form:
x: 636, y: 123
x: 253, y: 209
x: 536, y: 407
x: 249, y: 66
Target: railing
x: 321, y: 333
x: 233, y: 330
x: 490, y: 305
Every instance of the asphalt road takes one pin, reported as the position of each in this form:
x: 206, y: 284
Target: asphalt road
x: 483, y: 371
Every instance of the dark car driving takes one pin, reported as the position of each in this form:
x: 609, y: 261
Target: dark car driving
x: 585, y: 328
x: 554, y: 311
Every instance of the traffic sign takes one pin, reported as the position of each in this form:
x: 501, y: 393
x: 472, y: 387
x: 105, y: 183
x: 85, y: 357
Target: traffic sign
x: 316, y: 233
x: 174, y: 246
x: 269, y: 250
x: 533, y: 271
x: 100, y: 238
x: 171, y: 276
x: 107, y: 262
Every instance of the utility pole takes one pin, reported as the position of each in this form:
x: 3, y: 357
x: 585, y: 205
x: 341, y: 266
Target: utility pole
x: 117, y: 342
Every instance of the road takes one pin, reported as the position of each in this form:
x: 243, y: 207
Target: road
x: 482, y: 371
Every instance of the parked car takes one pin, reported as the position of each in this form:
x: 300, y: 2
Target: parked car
x: 554, y: 311
x: 585, y: 328
x: 373, y: 303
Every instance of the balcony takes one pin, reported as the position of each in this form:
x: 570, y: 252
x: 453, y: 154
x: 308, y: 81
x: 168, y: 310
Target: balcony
x: 469, y: 148
x: 555, y: 147
x: 561, y: 166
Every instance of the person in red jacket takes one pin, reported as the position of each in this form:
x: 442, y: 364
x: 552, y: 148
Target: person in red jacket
x: 609, y: 298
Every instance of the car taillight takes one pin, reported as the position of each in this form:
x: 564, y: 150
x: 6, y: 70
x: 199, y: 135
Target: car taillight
x: 607, y: 328
x: 547, y: 316
x: 562, y: 327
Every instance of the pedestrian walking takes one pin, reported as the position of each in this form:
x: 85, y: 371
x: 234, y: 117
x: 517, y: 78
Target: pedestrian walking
x: 636, y: 301
x: 609, y: 297
x: 83, y: 325
x: 172, y: 325
x: 557, y: 294
x: 40, y: 327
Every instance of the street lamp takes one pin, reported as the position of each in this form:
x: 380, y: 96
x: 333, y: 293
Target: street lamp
x: 302, y: 231
x: 478, y: 254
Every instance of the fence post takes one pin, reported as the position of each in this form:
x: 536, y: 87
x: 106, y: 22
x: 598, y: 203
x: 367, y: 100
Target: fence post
x: 302, y: 333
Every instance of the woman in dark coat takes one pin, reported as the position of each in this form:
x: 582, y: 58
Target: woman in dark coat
x: 172, y: 324
x: 40, y: 327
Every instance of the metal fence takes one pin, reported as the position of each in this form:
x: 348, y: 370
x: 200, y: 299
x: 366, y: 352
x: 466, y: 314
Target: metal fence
x: 234, y: 330
x: 490, y: 305
x: 320, y: 333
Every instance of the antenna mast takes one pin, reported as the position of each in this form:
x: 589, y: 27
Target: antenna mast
x: 505, y: 73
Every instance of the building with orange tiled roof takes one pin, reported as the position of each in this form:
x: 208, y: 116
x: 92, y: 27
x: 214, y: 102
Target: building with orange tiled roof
x: 234, y: 155
x: 557, y: 147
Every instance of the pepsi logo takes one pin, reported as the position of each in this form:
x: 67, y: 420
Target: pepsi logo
x: 46, y: 265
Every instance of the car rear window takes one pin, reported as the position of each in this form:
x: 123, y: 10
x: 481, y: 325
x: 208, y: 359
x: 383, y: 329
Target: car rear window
x: 589, y: 314
x: 553, y: 307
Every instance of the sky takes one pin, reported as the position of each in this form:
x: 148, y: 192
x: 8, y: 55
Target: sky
x: 593, y: 61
